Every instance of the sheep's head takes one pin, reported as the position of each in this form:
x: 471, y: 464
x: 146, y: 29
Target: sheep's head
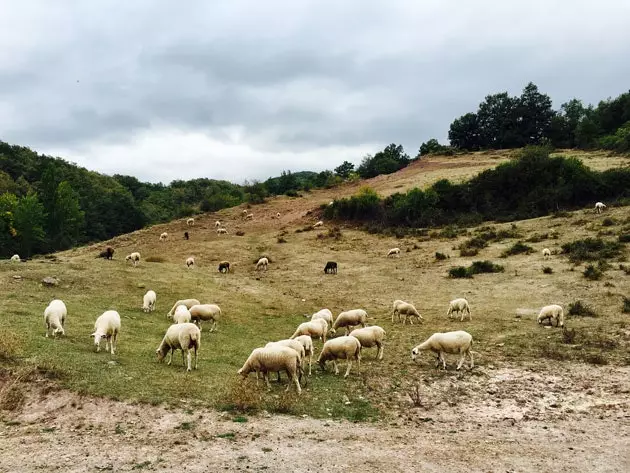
x: 58, y: 330
x: 98, y: 336
x: 160, y: 355
x: 414, y: 353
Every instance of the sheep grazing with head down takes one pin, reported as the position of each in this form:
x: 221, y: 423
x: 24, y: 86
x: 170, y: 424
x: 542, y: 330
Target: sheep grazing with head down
x: 134, y: 258
x: 262, y: 263
x: 15, y: 258
x: 273, y: 359
x: 599, y: 207
x: 455, y: 343
x: 345, y: 348
x: 184, y: 337
x: 461, y: 306
x: 406, y: 310
x: 164, y: 236
x: 148, y: 301
x: 249, y: 217
x: 206, y: 312
x: 307, y: 343
x: 546, y: 253
x: 190, y: 262
x: 294, y: 345
x: 350, y: 318
x: 369, y: 337
x: 394, y: 252
x: 182, y: 315
x: 224, y: 267
x: 107, y: 326
x: 190, y: 222
x: 217, y: 224
x: 325, y: 314
x: 318, y: 224
x: 187, y: 302
x: 55, y: 317
x: 552, y: 312
x: 222, y: 231
x: 317, y: 328
x: 244, y: 212
x: 107, y: 253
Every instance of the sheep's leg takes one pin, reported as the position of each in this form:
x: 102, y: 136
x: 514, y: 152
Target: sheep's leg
x: 195, y: 357
x: 107, y: 343
x: 335, y: 366
x: 113, y: 344
x: 188, y: 356
x: 461, y: 360
x: 379, y: 353
x: 278, y: 372
x: 437, y: 362
x: 266, y: 377
x: 310, y: 362
x: 170, y: 356
x: 393, y: 313
x: 348, y: 369
x: 443, y: 360
x: 183, y: 356
x: 47, y: 329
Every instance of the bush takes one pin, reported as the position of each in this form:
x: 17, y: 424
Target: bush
x: 450, y: 231
x: 591, y: 249
x: 547, y: 270
x: 477, y: 267
x: 517, y: 249
x: 595, y: 359
x: 626, y: 305
x: 281, y: 240
x: 476, y: 243
x: 578, y: 308
x: 459, y: 272
x: 608, y: 222
x: 537, y: 237
x: 469, y: 252
x: 624, y: 238
x: 440, y: 256
x: 240, y: 233
x: 625, y: 269
x: 592, y: 273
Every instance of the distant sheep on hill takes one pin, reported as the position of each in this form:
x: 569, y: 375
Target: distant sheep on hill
x: 599, y: 207
x: 134, y: 258
x: 330, y: 268
x: 394, y: 252
x: 224, y: 267
x: 190, y: 222
x: 164, y: 236
x: 107, y: 253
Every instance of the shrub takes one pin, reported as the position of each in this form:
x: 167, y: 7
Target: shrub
x: 517, y: 249
x: 591, y: 249
x: 625, y: 269
x: 592, y: 273
x: 240, y: 233
x: 595, y: 359
x: 476, y: 243
x: 450, y: 231
x: 537, y: 237
x: 469, y: 252
x: 459, y: 272
x: 479, y: 267
x: 440, y: 256
x: 624, y: 238
x: 625, y: 308
x: 281, y: 240
x: 547, y: 270
x: 608, y: 222
x: 578, y: 308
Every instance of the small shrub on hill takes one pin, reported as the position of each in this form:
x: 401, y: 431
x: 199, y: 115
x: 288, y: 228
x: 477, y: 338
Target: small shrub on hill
x: 547, y: 270
x: 459, y: 272
x: 477, y: 267
x: 609, y: 222
x: 440, y: 256
x: 624, y: 238
x: 517, y: 249
x: 578, y: 308
x: 469, y: 252
x: 625, y: 308
x: 591, y: 249
x: 592, y: 273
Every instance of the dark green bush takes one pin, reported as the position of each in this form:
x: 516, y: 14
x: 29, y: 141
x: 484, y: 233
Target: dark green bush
x: 459, y: 272
x: 479, y: 267
x: 578, y: 308
x: 468, y: 252
x: 440, y: 256
x: 592, y: 273
x: 591, y: 249
x: 626, y: 305
x: 609, y: 222
x: 624, y: 238
x: 547, y: 270
x: 517, y: 249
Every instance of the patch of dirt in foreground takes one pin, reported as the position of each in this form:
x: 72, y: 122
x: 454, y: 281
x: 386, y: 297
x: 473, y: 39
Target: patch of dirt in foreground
x: 575, y: 418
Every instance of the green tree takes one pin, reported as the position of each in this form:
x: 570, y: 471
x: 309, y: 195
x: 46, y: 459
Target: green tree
x: 66, y: 229
x: 534, y: 116
x: 29, y: 220
x: 465, y: 133
x: 431, y: 146
x: 344, y: 169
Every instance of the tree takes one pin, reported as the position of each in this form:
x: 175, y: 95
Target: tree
x: 497, y: 121
x: 344, y: 169
x: 390, y: 160
x: 465, y: 133
x: 431, y: 146
x: 29, y: 219
x: 65, y: 230
x: 533, y: 116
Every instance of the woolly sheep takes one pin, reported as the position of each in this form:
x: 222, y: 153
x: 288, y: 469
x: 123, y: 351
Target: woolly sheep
x: 107, y: 253
x: 244, y: 212
x: 249, y: 217
x: 273, y: 359
x: 294, y: 345
x: 599, y: 206
x: 369, y: 337
x: 222, y: 231
x: 349, y: 319
x: 190, y: 262
x: 217, y: 224
x: 187, y: 302
x: 325, y: 314
x: 552, y: 312
x: 148, y: 301
x: 307, y: 343
x: 278, y: 215
x: 190, y: 222
x: 331, y: 203
x: 204, y: 312
x: 461, y: 306
x: 346, y: 347
x: 184, y: 337
x: 458, y: 342
x: 394, y: 252
x: 406, y: 310
x: 224, y: 267
x: 55, y: 317
x: 15, y: 258
x: 318, y: 224
x: 164, y: 236
x: 262, y: 263
x: 107, y: 326
x: 182, y: 315
x: 546, y: 253
x: 317, y: 328
x: 134, y: 258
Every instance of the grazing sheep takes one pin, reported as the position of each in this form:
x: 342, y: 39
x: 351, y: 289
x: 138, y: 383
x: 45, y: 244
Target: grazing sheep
x: 186, y: 236
x: 190, y: 222
x: 205, y: 312
x: 15, y: 258
x: 345, y: 348
x: 273, y: 359
x: 394, y: 252
x: 217, y: 224
x: 546, y: 253
x: 190, y: 262
x: 224, y: 267
x: 187, y: 302
x: 148, y: 301
x: 461, y: 306
x: 552, y: 312
x: 294, y: 345
x: 406, y: 310
x: 164, y: 236
x: 458, y: 342
x: 222, y: 231
x: 317, y: 328
x: 331, y: 203
x: 278, y: 215
x: 55, y: 317
x: 600, y: 206
x: 244, y: 212
x: 107, y: 253
x: 331, y: 267
x: 349, y: 319
x: 107, y: 326
x: 262, y: 263
x: 307, y: 343
x: 318, y: 224
x: 369, y: 337
x: 249, y: 217
x: 134, y: 258
x: 184, y: 337
x: 182, y: 315
x: 325, y: 314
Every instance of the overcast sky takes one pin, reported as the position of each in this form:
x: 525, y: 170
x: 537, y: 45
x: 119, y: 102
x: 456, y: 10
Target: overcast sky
x: 242, y: 89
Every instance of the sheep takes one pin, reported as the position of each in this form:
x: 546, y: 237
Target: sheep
x: 394, y: 252
x: 217, y: 224
x: 307, y: 343
x: 599, y: 206
x: 107, y: 253
x: 164, y: 236
x: 369, y: 337
x: 107, y: 326
x: 278, y: 215
x: 148, y: 301
x: 318, y: 224
x: 349, y: 319
x: 406, y: 310
x: 325, y: 314
x: 262, y: 263
x: 546, y: 253
x: 331, y: 267
x: 187, y: 302
x: 134, y: 258
x: 190, y: 262
x: 190, y: 222
x: 294, y: 345
x: 222, y: 231
x: 273, y: 358
x: 552, y: 312
x: 244, y: 212
x: 249, y: 217
x: 15, y: 258
x: 461, y: 306
x: 55, y: 317
x: 182, y: 315
x: 186, y: 236
x: 224, y: 267
x: 199, y: 312
x: 346, y: 347
x: 331, y: 203
x: 317, y: 328
x: 182, y: 337
x: 458, y: 342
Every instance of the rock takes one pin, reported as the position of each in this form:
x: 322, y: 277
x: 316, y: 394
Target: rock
x: 50, y: 281
x: 141, y: 285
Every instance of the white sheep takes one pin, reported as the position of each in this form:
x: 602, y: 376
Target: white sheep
x: 317, y: 328
x: 406, y: 310
x: 369, y: 337
x: 458, y: 342
x: 331, y: 203
x: 350, y: 318
x: 249, y: 217
x: 244, y: 212
x: 394, y: 252
x: 461, y: 306
x: 318, y: 224
x: 325, y: 314
x: 307, y: 343
x: 182, y: 315
x: 294, y: 345
x: 217, y: 224
x: 262, y: 263
x: 345, y: 348
x: 184, y: 337
x: 55, y: 317
x: 134, y: 258
x: 148, y: 301
x: 278, y: 215
x: 15, y: 258
x: 190, y: 262
x: 546, y: 253
x: 190, y: 222
x: 205, y: 312
x: 164, y: 236
x: 107, y: 326
x: 552, y: 312
x: 273, y: 359
x: 187, y: 302
x: 222, y: 231
x: 600, y: 206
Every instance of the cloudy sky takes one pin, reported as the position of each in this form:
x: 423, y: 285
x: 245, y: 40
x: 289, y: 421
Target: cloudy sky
x: 243, y: 89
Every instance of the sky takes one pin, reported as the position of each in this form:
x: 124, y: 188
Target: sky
x: 243, y: 89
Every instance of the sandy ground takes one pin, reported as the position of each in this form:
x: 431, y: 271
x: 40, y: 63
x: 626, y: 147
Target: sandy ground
x: 575, y: 418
